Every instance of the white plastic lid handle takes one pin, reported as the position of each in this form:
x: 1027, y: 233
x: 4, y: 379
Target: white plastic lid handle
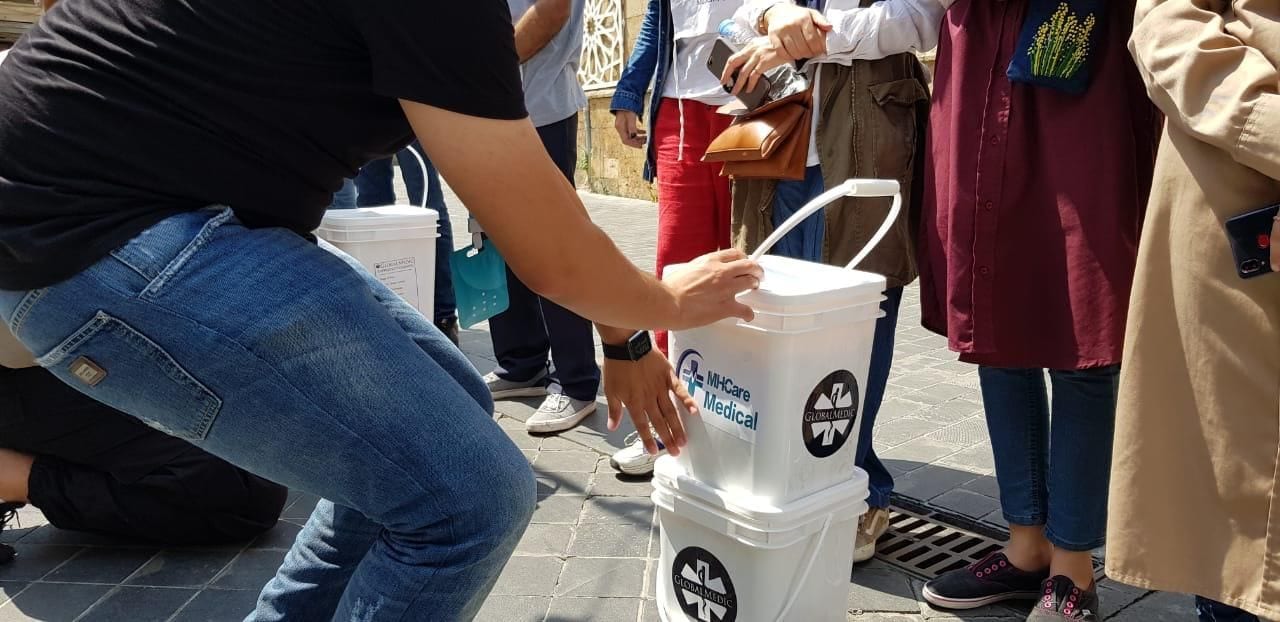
x: 850, y: 188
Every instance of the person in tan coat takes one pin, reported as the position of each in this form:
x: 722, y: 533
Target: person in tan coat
x: 1197, y: 449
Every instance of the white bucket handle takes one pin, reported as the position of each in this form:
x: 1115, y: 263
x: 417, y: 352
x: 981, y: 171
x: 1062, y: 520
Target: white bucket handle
x: 804, y: 575
x: 850, y: 188
x: 473, y: 225
x: 422, y: 166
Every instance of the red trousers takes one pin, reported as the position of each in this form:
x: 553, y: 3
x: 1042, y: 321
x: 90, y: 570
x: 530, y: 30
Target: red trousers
x: 693, y: 199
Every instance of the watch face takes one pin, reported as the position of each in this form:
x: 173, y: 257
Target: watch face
x: 639, y: 345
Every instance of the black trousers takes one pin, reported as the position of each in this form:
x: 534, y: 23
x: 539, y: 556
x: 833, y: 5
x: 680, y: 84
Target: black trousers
x: 533, y: 327
x: 101, y: 471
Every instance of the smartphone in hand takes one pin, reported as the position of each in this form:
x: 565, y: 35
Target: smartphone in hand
x: 1250, y: 237
x: 720, y: 54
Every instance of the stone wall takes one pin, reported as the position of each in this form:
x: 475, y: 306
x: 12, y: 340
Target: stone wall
x: 605, y: 165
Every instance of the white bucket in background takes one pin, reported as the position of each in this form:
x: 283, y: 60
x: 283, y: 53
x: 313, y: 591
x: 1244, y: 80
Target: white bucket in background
x: 781, y: 396
x: 734, y: 558
x: 396, y: 243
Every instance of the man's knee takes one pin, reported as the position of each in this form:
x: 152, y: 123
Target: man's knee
x: 499, y: 514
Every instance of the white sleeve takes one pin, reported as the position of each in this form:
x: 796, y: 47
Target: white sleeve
x: 882, y: 29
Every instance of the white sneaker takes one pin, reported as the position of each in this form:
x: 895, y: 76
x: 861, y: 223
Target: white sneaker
x: 871, y: 527
x: 508, y: 389
x: 633, y: 459
x: 558, y: 413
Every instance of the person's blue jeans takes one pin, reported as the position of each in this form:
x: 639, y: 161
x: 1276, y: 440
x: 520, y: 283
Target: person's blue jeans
x: 805, y: 242
x: 1053, y: 471
x: 345, y: 197
x: 288, y: 359
x: 1214, y: 611
x: 534, y: 328
x: 375, y: 186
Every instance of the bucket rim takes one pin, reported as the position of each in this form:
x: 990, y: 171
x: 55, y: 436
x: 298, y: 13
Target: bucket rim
x: 755, y: 512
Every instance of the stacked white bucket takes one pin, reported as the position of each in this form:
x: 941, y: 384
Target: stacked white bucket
x: 758, y: 514
x: 396, y: 243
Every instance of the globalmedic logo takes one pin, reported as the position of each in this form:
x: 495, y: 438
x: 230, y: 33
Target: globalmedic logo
x: 718, y: 394
x: 703, y: 588
x: 830, y: 414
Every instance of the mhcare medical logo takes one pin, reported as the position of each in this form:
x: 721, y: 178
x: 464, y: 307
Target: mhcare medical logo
x: 717, y: 394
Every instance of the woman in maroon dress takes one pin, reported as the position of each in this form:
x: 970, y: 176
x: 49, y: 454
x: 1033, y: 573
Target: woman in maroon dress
x: 1033, y: 203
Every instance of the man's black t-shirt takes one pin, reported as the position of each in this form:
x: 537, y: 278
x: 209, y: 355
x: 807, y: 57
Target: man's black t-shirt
x: 115, y: 114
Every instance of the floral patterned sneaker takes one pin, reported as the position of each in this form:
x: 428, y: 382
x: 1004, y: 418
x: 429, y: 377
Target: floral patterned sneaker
x: 987, y: 582
x: 1060, y: 599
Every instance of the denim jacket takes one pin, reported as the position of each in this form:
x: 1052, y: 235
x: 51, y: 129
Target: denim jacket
x: 652, y: 52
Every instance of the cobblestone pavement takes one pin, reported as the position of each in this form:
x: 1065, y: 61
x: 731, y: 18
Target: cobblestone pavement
x: 590, y: 552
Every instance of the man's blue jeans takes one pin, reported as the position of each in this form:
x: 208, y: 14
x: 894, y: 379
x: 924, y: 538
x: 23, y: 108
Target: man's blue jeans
x: 1053, y: 471
x: 374, y: 186
x: 289, y: 360
x: 533, y: 328
x: 805, y: 242
x: 1214, y: 611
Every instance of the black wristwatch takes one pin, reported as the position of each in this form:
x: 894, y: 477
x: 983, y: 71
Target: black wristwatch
x: 633, y: 350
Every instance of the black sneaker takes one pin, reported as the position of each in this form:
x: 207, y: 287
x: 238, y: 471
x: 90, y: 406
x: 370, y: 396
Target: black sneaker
x: 1060, y: 599
x: 987, y: 582
x: 8, y: 513
x: 450, y: 328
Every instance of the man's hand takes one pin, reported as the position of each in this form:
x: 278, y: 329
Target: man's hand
x: 794, y: 33
x: 706, y: 291
x: 751, y: 62
x: 645, y: 388
x: 628, y: 125
x: 801, y: 32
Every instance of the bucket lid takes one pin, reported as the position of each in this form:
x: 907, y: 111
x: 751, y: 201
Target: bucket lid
x: 386, y: 217
x: 760, y: 513
x: 794, y: 286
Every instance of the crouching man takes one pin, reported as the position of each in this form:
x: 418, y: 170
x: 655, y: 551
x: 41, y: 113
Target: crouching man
x: 90, y: 468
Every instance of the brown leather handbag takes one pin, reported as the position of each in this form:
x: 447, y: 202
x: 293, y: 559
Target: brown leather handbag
x: 770, y: 142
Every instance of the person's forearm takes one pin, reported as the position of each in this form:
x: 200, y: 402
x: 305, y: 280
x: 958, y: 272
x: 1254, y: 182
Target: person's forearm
x: 539, y: 25
x: 1208, y: 82
x: 503, y: 174
x: 48, y: 4
x: 884, y: 29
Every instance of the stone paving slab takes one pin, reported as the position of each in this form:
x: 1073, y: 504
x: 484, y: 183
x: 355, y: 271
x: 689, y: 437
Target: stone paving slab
x: 590, y: 552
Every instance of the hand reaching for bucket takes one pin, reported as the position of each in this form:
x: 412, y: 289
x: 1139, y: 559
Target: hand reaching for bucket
x: 706, y: 289
x: 645, y: 388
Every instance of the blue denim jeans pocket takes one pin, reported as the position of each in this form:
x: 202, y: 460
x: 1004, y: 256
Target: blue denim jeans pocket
x: 114, y: 359
x: 159, y: 253
x: 106, y: 357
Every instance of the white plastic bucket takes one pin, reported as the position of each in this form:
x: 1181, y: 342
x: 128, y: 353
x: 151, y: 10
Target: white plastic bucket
x: 733, y: 558
x: 781, y: 396
x: 396, y: 243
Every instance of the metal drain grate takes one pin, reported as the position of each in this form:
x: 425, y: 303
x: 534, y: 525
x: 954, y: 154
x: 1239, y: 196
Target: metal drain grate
x: 920, y: 542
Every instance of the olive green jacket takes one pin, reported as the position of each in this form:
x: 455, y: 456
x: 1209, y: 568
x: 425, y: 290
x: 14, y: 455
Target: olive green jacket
x: 872, y: 121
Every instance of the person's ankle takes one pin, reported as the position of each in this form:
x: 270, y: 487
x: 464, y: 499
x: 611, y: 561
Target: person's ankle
x: 1028, y: 550
x: 1074, y: 565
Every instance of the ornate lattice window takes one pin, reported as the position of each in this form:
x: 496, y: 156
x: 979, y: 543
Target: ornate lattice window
x: 604, y: 46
